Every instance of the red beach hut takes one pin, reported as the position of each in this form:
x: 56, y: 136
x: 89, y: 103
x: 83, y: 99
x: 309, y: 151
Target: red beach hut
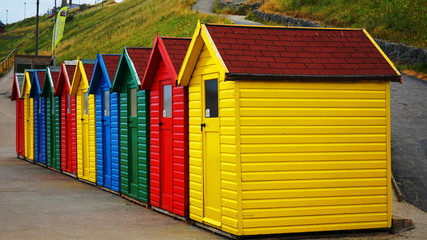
x: 168, y: 126
x: 68, y: 118
x: 16, y: 96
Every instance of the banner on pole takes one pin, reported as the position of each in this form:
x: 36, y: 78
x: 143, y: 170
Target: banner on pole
x: 58, y: 29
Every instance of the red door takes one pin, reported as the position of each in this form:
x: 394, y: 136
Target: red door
x: 19, y: 127
x: 65, y: 135
x: 68, y: 134
x: 166, y: 148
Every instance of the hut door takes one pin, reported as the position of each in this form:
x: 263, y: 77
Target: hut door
x: 211, y: 154
x: 68, y: 133
x: 106, y: 138
x: 132, y: 141
x: 166, y: 161
x: 85, y: 130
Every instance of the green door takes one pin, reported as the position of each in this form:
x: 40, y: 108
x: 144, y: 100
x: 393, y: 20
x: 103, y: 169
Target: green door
x: 56, y: 133
x: 133, y: 144
x: 53, y: 132
x: 133, y: 141
x: 49, y: 130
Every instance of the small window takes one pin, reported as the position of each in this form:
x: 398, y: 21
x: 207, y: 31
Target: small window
x: 133, y: 102
x: 107, y: 103
x: 53, y: 105
x: 68, y: 103
x: 40, y: 104
x: 167, y: 101
x: 211, y: 98
x: 86, y: 103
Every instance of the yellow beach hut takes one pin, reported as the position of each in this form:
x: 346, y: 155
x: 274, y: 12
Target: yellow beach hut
x: 28, y: 116
x: 85, y: 103
x: 289, y: 129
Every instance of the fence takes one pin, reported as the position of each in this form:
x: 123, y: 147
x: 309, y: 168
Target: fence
x: 7, y: 64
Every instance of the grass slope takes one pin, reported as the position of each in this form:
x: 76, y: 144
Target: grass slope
x: 392, y: 20
x: 107, y: 29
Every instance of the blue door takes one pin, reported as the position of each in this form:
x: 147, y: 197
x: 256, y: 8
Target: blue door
x: 40, y: 130
x: 107, y: 139
x: 106, y: 133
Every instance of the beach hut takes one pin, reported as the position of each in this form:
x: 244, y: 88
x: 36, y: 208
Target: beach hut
x: 107, y: 121
x: 133, y: 124
x: 16, y: 96
x: 289, y: 129
x: 168, y: 126
x: 39, y: 116
x: 68, y: 118
x: 85, y: 110
x: 53, y: 120
x: 28, y: 116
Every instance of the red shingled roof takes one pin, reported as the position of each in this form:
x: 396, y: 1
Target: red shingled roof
x: 55, y: 76
x: 40, y: 76
x: 70, y: 72
x: 111, y: 63
x: 89, y: 70
x: 310, y: 52
x: 139, y: 57
x: 176, y: 48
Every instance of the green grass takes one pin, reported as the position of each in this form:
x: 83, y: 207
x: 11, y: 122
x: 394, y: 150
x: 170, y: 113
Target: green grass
x: 108, y: 29
x: 392, y: 20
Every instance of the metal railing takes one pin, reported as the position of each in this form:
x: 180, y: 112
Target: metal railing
x: 7, y: 64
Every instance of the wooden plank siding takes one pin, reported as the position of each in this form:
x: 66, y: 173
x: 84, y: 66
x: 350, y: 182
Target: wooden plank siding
x: 314, y: 156
x: 206, y: 69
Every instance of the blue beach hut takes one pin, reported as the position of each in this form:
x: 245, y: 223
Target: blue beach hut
x: 107, y: 121
x: 39, y: 116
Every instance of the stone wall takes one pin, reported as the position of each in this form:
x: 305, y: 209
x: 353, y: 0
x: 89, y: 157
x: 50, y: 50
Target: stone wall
x: 397, y: 52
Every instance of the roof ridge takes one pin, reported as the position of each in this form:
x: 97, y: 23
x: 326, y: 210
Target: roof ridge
x: 139, y: 47
x: 181, y: 38
x: 283, y: 27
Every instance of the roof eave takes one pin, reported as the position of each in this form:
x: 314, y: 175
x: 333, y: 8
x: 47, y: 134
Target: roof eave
x: 311, y: 78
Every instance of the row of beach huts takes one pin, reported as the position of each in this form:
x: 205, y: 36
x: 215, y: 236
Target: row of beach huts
x: 244, y: 130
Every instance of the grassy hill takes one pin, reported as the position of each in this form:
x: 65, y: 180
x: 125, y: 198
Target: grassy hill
x: 392, y: 20
x: 107, y: 29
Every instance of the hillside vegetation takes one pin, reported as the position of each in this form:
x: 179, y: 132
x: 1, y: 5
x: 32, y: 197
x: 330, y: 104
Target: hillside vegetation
x: 109, y: 28
x: 392, y: 20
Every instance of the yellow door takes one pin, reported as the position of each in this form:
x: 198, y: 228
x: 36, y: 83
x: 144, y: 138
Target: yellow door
x: 211, y: 152
x: 85, y: 132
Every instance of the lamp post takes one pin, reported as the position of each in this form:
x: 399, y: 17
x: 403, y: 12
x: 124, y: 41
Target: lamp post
x: 37, y: 30
x: 25, y: 9
x: 7, y: 11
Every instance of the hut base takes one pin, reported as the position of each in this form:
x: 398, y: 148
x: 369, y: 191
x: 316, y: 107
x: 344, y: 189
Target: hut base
x: 108, y: 190
x: 54, y: 169
x: 215, y: 230
x: 134, y: 200
x: 20, y: 157
x: 170, y: 214
x: 40, y: 164
x: 69, y: 174
x: 87, y: 182
x: 28, y: 160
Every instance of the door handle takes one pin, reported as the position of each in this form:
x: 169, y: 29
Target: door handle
x: 160, y: 123
x: 202, y: 126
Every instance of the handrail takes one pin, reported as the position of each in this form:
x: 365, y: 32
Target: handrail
x: 5, y: 65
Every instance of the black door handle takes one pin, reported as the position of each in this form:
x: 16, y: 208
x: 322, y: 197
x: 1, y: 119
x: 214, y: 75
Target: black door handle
x: 202, y: 126
x: 160, y: 123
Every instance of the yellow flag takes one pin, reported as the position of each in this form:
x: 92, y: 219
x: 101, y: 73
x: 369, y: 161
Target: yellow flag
x: 58, y: 29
